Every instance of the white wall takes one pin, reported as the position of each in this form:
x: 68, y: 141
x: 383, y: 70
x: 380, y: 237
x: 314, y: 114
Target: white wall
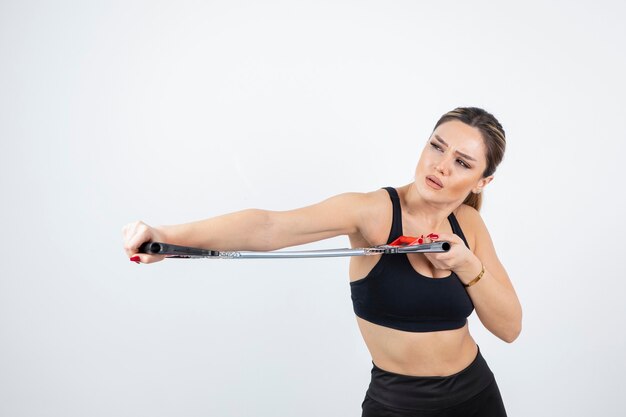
x: 172, y: 111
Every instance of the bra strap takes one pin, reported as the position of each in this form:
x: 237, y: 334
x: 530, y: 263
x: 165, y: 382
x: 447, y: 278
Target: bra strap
x: 456, y: 228
x: 396, y: 224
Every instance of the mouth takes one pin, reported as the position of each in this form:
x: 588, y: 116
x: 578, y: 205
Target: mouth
x: 434, y: 182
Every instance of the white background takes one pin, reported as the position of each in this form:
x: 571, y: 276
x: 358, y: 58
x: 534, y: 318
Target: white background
x: 174, y: 111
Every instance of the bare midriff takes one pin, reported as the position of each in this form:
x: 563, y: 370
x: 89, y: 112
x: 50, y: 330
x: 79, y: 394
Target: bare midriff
x: 439, y: 353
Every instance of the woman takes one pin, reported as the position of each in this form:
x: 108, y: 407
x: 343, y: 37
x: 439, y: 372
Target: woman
x: 411, y: 309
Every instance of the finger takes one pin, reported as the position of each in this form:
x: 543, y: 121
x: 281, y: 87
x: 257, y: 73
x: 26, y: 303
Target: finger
x: 441, y: 258
x: 146, y: 259
x: 137, y: 233
x: 138, y: 239
x: 436, y: 261
x: 127, y: 233
x: 448, y: 237
x: 431, y: 237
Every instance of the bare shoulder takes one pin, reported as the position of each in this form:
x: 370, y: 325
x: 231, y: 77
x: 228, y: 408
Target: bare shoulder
x: 467, y: 213
x: 363, y: 216
x: 362, y: 203
x: 475, y: 229
x: 471, y: 223
x: 375, y: 216
x: 368, y: 205
x: 377, y: 200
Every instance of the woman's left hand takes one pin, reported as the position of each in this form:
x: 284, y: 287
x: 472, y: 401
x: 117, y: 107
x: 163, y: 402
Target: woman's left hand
x: 459, y: 257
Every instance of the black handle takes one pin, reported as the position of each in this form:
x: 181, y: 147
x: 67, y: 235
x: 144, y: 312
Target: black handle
x: 159, y: 248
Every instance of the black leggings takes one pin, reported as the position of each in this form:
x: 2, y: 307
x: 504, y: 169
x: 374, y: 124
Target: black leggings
x: 470, y: 392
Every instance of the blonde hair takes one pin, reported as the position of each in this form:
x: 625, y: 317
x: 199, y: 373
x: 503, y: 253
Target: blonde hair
x: 493, y: 137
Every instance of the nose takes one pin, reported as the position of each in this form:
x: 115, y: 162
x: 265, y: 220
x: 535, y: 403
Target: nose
x: 443, y: 165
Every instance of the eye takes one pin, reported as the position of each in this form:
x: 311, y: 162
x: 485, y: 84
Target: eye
x: 434, y: 145
x: 462, y: 163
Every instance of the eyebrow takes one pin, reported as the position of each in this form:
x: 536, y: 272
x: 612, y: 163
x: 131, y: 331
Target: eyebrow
x: 460, y: 153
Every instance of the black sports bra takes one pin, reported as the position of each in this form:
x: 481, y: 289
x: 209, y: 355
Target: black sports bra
x: 395, y: 295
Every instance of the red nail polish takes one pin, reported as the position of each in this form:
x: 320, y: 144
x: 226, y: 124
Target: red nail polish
x: 135, y: 259
x: 433, y: 236
x: 420, y: 240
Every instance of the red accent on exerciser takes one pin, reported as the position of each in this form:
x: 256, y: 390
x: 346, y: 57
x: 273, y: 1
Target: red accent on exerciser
x: 403, y: 240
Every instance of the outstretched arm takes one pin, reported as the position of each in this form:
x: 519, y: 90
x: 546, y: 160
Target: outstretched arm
x: 255, y: 229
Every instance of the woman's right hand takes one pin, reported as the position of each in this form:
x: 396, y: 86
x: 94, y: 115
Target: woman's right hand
x: 137, y: 233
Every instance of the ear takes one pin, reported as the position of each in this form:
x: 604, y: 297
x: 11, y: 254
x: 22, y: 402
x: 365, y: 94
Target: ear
x: 482, y: 183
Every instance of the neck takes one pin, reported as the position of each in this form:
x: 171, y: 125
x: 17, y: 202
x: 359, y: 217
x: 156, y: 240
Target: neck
x: 431, y: 215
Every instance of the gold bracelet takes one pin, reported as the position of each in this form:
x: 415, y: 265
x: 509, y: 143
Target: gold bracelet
x: 478, y: 277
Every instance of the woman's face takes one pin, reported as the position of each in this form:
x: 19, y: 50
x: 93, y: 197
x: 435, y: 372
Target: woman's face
x: 452, y: 163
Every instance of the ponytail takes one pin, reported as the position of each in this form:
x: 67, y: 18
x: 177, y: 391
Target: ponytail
x: 474, y: 200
